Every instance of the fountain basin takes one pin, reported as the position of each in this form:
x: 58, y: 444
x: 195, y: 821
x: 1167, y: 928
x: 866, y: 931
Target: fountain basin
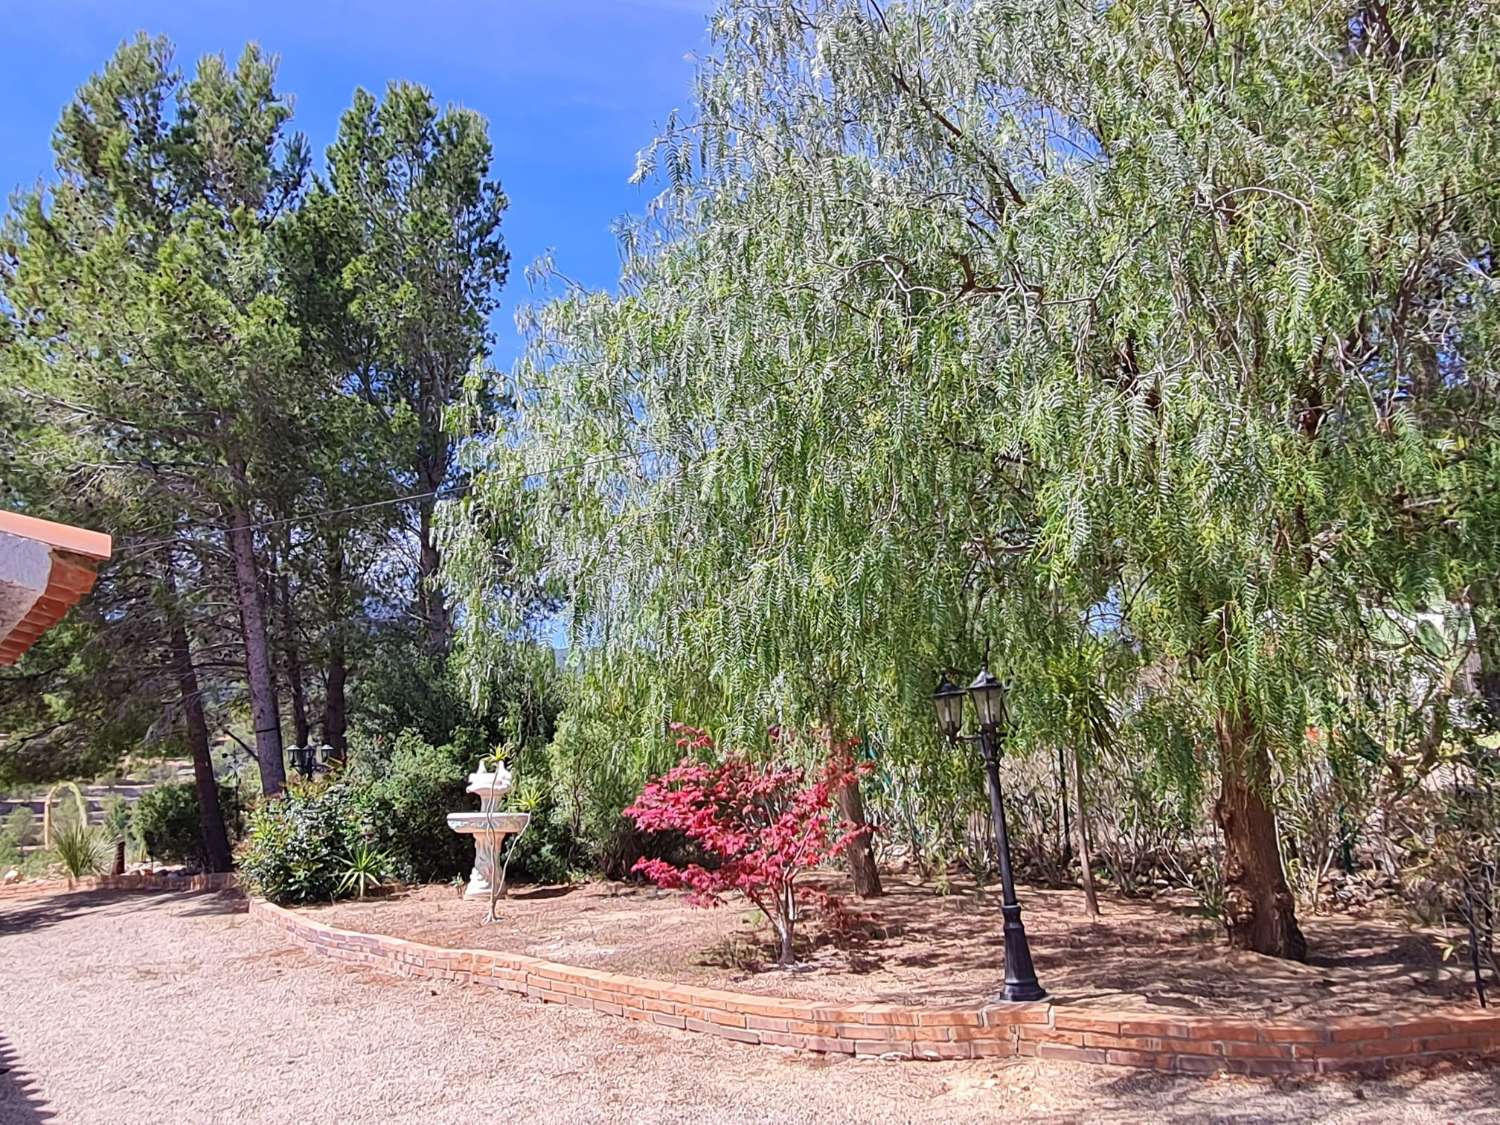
x: 489, y: 830
x: 502, y: 823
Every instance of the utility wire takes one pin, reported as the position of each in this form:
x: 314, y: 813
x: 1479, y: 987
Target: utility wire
x: 437, y: 494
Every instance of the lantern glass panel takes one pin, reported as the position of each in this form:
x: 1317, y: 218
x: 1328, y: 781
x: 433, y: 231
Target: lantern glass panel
x: 948, y: 702
x: 989, y: 699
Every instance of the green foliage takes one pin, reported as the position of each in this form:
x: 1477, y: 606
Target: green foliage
x: 39, y: 864
x: 404, y: 792
x: 150, y: 359
x: 73, y: 709
x: 411, y: 185
x: 407, y: 689
x: 590, y: 778
x: 364, y: 867
x: 119, y: 819
x: 1094, y: 336
x: 166, y: 820
x: 18, y: 823
x: 80, y: 849
x: 412, y: 780
x: 297, y: 846
x: 191, y: 339
x: 552, y: 849
x: 394, y: 798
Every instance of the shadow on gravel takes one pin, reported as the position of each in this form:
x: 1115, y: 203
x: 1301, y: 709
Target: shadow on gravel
x: 20, y: 1101
x: 39, y: 913
x: 212, y: 903
x: 1179, y: 1097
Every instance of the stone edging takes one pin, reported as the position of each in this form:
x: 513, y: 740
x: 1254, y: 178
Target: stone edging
x: 135, y: 881
x: 1189, y: 1044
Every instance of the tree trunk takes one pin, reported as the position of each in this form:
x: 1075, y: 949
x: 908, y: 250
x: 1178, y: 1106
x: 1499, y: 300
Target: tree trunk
x: 1080, y: 823
x: 301, y: 729
x: 786, y: 927
x: 1259, y: 911
x: 1062, y: 807
x: 335, y: 712
x: 431, y: 604
x: 118, y: 867
x: 264, y: 710
x: 861, y: 852
x: 210, y: 816
x: 436, y: 619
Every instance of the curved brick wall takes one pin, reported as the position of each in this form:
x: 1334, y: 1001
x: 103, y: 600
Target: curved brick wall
x: 1193, y: 1044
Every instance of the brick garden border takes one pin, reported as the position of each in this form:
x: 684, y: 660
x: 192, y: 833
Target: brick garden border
x: 1187, y: 1044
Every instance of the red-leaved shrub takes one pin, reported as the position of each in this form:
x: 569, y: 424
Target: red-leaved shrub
x: 764, y: 825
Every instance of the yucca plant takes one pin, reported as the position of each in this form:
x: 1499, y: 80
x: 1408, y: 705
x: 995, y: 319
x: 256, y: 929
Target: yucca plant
x: 80, y: 849
x: 365, y: 867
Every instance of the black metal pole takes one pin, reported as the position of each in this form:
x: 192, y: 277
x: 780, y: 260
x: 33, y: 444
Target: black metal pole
x: 1020, y: 975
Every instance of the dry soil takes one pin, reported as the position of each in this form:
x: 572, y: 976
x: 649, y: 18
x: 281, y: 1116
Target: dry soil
x: 922, y: 947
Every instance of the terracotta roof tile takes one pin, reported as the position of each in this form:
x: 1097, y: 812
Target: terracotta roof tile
x: 74, y: 555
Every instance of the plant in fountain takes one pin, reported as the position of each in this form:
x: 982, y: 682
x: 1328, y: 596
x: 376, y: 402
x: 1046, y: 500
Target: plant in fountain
x: 761, y: 826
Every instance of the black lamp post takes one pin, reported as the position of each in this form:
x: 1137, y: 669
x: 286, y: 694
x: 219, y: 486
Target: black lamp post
x: 988, y: 694
x: 308, y: 760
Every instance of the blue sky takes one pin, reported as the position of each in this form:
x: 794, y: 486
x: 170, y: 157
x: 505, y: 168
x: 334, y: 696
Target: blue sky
x: 572, y: 89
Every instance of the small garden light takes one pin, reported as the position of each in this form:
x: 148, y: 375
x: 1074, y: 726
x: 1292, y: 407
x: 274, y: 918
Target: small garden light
x: 988, y: 694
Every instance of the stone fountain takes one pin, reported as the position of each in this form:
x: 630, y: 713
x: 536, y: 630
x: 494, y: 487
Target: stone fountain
x: 489, y: 826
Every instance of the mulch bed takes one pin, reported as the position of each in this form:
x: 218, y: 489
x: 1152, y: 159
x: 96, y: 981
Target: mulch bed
x: 922, y: 947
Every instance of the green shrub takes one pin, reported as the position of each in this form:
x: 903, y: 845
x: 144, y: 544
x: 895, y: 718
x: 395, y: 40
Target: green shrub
x: 80, y: 849
x: 549, y: 851
x: 18, y: 823
x: 405, y: 797
x: 394, y: 801
x: 119, y: 820
x: 404, y: 688
x: 297, y: 847
x: 391, y: 805
x: 591, y: 774
x: 166, y: 820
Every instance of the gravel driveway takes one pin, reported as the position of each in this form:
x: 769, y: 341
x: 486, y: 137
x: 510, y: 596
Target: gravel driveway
x: 172, y: 1008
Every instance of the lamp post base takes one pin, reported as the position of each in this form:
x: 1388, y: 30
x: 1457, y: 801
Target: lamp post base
x: 1021, y: 984
x: 1020, y: 994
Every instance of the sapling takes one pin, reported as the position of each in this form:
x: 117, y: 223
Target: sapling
x: 765, y: 826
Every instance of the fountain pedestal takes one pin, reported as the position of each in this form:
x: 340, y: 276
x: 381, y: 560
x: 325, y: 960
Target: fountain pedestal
x: 489, y: 826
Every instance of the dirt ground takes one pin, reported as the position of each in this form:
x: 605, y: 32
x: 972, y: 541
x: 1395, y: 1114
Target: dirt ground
x: 141, y: 1008
x: 927, y: 948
